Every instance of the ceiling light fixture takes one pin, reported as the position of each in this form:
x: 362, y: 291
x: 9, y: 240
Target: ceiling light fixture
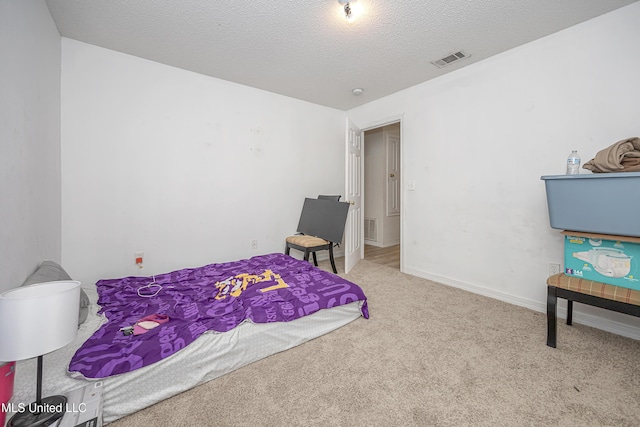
x: 347, y: 7
x: 357, y: 91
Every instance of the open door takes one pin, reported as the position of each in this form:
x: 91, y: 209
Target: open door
x: 354, y: 239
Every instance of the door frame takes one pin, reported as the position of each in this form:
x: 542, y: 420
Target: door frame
x: 369, y: 126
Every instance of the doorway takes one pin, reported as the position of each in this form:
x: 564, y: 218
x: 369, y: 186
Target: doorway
x: 382, y: 194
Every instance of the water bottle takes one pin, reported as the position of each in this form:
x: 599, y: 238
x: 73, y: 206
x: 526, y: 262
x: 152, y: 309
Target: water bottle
x: 573, y: 163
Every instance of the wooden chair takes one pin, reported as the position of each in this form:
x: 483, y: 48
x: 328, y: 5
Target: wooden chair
x: 325, y: 197
x: 321, y: 225
x: 310, y: 245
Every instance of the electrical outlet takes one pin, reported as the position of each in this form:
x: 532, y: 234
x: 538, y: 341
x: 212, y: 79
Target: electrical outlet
x: 139, y: 258
x: 554, y: 268
x: 254, y: 244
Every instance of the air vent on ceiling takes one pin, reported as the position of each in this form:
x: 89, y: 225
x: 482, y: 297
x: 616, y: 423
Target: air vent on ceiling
x: 443, y: 62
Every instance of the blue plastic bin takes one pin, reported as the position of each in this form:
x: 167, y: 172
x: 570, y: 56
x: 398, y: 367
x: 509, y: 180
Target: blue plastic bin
x: 604, y: 203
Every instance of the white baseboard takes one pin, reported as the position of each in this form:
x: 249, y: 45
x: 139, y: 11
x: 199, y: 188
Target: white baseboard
x: 381, y: 245
x: 587, y: 319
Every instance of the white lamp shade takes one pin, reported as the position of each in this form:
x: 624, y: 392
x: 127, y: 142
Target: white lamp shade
x: 38, y: 319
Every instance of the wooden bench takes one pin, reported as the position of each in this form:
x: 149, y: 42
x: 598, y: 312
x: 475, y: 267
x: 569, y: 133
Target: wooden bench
x: 597, y: 294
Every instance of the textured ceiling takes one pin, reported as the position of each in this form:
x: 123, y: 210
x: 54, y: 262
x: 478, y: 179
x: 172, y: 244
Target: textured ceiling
x: 307, y: 49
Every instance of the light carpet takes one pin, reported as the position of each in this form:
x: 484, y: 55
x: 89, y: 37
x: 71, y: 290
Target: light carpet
x: 430, y: 355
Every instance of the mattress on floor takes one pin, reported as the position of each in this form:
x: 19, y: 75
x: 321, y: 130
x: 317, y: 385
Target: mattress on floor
x: 210, y: 356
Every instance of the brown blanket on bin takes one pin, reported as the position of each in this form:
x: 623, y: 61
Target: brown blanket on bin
x: 623, y: 156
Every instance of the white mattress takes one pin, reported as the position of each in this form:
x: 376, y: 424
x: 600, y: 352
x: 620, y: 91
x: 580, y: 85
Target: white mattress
x: 210, y: 356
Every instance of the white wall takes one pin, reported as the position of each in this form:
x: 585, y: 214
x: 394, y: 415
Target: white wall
x: 29, y: 140
x: 187, y: 168
x: 477, y: 141
x: 374, y: 174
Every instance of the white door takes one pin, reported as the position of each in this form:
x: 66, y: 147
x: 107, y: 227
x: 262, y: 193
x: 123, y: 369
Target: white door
x: 354, y: 238
x: 393, y: 175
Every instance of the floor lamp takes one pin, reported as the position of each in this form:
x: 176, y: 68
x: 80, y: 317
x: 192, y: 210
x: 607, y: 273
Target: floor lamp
x: 36, y: 320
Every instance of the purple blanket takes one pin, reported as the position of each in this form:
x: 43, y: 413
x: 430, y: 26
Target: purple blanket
x: 216, y: 297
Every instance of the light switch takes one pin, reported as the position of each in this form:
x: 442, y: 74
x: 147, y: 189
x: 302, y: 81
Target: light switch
x: 411, y: 185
